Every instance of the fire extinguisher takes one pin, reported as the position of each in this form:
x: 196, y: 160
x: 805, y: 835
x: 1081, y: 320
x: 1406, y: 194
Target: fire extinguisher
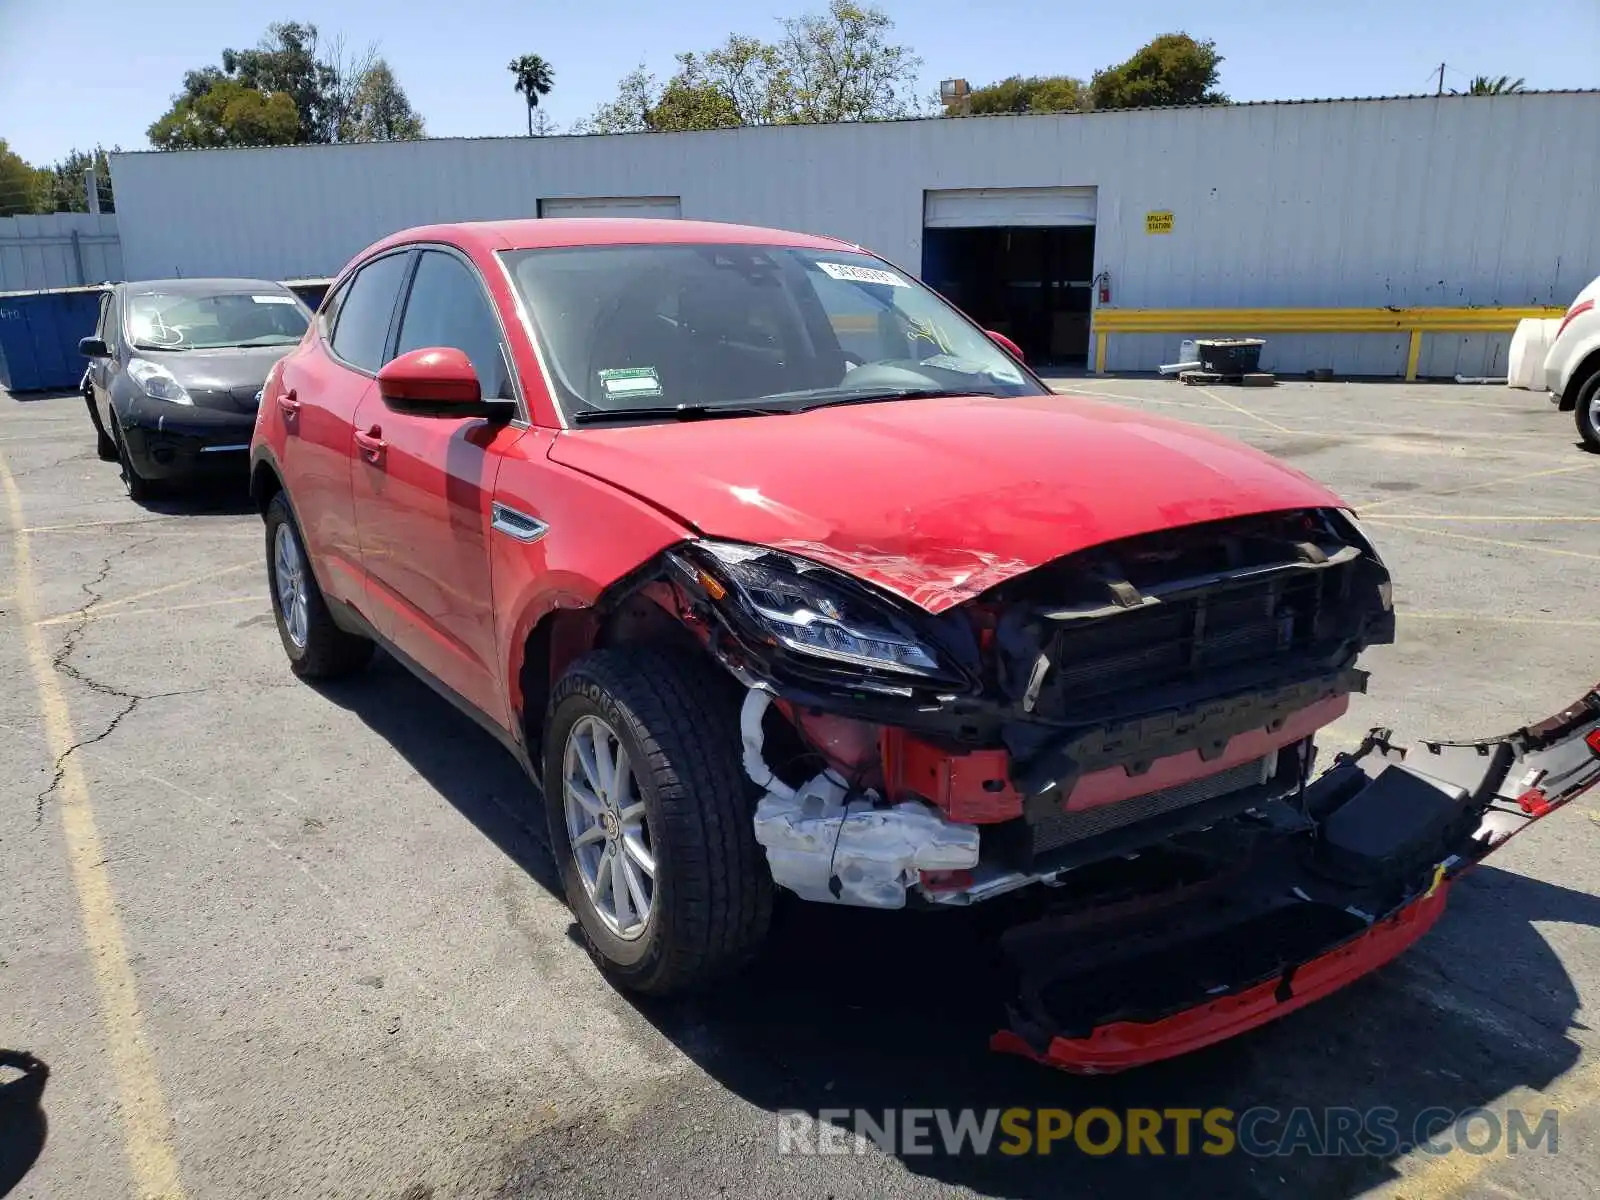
x: 1104, y: 280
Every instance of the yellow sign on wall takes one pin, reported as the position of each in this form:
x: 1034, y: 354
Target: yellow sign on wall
x: 1158, y: 222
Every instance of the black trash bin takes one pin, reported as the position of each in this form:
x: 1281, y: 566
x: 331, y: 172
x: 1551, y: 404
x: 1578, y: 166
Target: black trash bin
x: 1231, y: 356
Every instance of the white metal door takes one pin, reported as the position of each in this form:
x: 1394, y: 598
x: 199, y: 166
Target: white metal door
x: 985, y: 207
x: 611, y: 206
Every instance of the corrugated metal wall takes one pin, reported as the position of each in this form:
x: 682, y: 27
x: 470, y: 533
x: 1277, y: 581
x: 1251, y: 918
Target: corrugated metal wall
x: 1423, y: 201
x: 58, y: 250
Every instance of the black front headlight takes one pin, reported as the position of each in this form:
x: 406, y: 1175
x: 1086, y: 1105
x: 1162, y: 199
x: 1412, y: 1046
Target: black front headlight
x: 813, y: 612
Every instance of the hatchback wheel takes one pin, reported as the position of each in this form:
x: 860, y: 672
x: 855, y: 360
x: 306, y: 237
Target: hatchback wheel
x: 1587, y: 412
x: 104, y: 446
x: 139, y: 488
x: 317, y: 648
x: 650, y: 819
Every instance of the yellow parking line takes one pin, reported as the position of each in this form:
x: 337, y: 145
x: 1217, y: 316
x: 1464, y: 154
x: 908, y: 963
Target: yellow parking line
x: 1481, y: 541
x: 1448, y: 1176
x: 146, y: 1120
x: 1411, y: 614
x: 169, y: 587
x: 1485, y: 483
x: 1243, y: 411
x: 95, y: 614
x: 1491, y: 520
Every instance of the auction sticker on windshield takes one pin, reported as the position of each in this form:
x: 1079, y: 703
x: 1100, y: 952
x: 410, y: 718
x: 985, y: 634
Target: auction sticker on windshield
x: 854, y: 274
x: 631, y: 381
x: 273, y: 299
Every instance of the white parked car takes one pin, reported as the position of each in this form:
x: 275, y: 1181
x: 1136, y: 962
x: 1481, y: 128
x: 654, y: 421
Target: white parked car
x: 1572, y: 368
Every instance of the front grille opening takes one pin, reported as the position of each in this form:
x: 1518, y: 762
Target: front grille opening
x: 1063, y: 827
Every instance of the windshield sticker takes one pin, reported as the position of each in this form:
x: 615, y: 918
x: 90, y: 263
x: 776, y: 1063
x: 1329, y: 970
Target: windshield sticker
x: 854, y: 274
x: 273, y: 299
x: 948, y: 362
x: 631, y: 381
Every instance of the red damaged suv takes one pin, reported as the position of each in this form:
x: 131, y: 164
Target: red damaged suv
x: 776, y: 571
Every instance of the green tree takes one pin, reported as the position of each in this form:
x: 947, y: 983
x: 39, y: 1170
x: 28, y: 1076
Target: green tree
x: 1031, y: 93
x: 1172, y: 69
x: 331, y: 91
x: 837, y: 65
x: 629, y: 110
x: 1500, y: 85
x: 22, y: 187
x: 689, y: 105
x: 379, y: 110
x: 535, y: 78
x: 63, y: 182
x: 228, y: 114
x: 841, y: 66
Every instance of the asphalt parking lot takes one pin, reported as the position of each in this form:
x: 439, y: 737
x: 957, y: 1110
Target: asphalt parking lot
x: 274, y: 941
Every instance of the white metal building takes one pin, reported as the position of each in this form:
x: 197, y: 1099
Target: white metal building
x: 1422, y: 201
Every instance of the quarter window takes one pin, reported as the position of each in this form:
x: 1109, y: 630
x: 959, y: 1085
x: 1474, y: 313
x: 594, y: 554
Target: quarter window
x: 362, y: 324
x: 447, y: 307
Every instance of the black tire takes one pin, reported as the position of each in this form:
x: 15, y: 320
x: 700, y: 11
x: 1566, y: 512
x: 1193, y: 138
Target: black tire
x: 677, y: 716
x: 139, y: 488
x: 328, y: 651
x: 1586, y: 412
x: 104, y: 446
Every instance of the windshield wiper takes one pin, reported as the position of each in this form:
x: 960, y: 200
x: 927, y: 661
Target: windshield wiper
x: 160, y: 349
x: 901, y: 393
x: 676, y: 412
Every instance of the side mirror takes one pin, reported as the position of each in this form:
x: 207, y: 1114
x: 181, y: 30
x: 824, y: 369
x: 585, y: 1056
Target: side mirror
x: 93, y: 347
x: 437, y: 381
x: 1006, y: 344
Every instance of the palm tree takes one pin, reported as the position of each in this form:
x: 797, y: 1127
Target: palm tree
x: 1482, y: 85
x: 535, y: 78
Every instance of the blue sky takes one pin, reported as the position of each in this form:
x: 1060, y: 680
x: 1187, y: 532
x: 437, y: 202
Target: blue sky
x: 73, y: 74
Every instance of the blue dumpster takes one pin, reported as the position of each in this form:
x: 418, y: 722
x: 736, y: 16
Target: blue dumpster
x: 39, y: 334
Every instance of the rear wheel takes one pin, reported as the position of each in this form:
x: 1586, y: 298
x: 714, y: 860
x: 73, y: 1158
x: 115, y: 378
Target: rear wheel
x: 650, y: 819
x: 1587, y: 412
x: 317, y: 648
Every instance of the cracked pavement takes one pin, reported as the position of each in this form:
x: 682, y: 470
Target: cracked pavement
x: 354, y: 979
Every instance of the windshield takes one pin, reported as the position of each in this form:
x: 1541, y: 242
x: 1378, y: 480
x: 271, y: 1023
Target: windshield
x: 653, y: 328
x: 170, y: 321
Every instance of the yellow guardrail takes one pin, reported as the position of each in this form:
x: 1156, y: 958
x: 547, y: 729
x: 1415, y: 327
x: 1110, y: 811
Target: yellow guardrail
x: 1413, y: 321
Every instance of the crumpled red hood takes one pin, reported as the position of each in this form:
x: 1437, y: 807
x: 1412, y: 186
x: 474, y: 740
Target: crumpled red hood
x: 939, y: 500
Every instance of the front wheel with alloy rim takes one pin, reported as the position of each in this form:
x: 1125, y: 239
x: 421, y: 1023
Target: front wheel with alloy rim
x: 317, y: 648
x: 650, y: 818
x: 1587, y: 412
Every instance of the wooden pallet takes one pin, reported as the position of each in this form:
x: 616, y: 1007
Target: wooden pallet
x: 1251, y: 379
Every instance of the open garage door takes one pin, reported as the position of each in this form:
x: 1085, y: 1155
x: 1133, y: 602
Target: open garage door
x: 1017, y: 260
x: 611, y: 206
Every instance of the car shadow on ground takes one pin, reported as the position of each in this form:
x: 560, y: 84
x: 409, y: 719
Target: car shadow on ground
x: 210, y: 497
x: 851, y: 1009
x: 23, y: 1127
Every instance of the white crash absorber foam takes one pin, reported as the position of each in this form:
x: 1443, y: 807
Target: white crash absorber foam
x: 813, y: 836
x: 875, y: 853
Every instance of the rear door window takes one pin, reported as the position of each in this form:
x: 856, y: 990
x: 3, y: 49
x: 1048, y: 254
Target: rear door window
x: 447, y: 307
x: 361, y: 331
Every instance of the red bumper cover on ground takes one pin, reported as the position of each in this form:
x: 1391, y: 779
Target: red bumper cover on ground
x: 1125, y: 1044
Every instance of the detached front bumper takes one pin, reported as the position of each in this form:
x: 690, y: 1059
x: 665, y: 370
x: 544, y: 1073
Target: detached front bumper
x: 173, y: 441
x: 1102, y: 991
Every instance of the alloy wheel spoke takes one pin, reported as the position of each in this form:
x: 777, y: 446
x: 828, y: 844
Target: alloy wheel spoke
x: 635, y: 881
x: 583, y: 745
x: 589, y: 836
x: 587, y: 800
x: 621, y: 899
x: 639, y: 855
